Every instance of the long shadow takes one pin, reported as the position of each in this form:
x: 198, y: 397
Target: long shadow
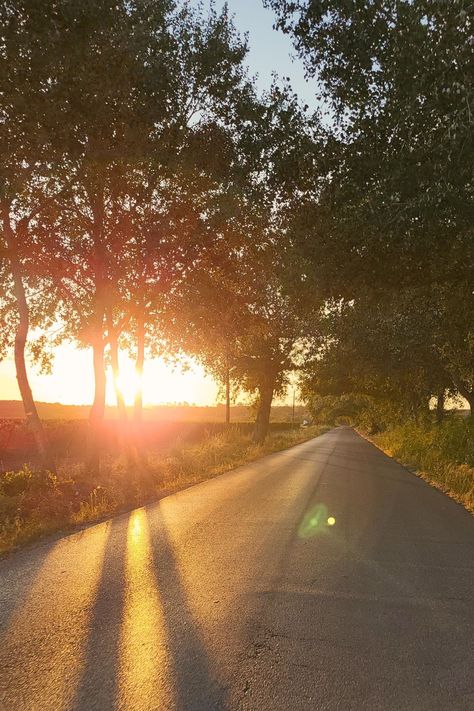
x: 196, y: 687
x: 18, y: 574
x: 98, y: 685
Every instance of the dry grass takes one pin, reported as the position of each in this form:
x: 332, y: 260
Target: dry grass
x: 33, y: 504
x: 443, y: 455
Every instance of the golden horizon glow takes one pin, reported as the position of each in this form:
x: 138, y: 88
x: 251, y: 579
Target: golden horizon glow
x: 71, y: 381
x: 128, y: 382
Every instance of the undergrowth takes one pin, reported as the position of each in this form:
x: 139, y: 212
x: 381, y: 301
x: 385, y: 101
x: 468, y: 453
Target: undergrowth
x: 33, y: 504
x: 442, y: 453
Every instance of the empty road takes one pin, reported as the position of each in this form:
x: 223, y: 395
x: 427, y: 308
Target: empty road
x: 322, y: 577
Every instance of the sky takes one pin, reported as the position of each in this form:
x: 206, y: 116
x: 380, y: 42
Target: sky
x: 71, y: 380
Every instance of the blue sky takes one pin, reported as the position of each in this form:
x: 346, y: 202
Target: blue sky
x: 270, y: 51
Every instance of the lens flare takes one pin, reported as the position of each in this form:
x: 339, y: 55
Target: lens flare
x: 315, y: 521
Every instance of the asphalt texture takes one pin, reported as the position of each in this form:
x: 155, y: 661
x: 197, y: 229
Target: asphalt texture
x: 322, y: 577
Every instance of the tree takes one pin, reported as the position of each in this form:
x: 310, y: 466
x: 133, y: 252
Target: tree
x: 31, y: 180
x: 232, y: 311
x: 128, y: 139
x: 396, y: 212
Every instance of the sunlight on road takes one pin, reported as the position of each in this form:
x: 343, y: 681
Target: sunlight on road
x: 144, y: 663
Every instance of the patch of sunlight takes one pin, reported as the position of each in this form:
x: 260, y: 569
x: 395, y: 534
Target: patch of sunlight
x: 63, y: 589
x: 315, y: 521
x: 143, y: 679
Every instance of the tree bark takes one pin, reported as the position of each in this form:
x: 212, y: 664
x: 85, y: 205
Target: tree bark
x: 227, y: 394
x: 440, y: 406
x: 32, y: 419
x: 262, y: 421
x: 139, y: 363
x: 97, y: 412
x: 114, y: 359
x: 467, y: 394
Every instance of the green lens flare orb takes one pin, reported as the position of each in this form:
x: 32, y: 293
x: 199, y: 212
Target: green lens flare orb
x: 316, y: 520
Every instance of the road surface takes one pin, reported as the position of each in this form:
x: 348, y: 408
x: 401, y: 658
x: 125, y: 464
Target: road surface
x: 322, y: 577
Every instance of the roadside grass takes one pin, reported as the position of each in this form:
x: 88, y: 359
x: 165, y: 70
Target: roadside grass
x: 442, y: 454
x: 35, y: 503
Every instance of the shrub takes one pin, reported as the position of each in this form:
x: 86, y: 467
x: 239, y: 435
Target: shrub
x: 444, y: 452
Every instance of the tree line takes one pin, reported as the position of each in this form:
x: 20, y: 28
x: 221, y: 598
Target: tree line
x: 153, y: 201
x: 390, y: 242
x: 144, y: 185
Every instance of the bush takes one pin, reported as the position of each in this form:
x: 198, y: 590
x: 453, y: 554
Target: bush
x: 442, y: 452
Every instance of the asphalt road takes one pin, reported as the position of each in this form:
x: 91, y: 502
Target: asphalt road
x: 238, y: 593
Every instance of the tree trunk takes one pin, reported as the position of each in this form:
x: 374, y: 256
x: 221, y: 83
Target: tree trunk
x: 139, y: 363
x: 114, y: 359
x: 32, y: 419
x: 440, y: 406
x: 467, y: 394
x: 97, y: 412
x: 227, y: 395
x: 263, y: 412
x: 470, y: 398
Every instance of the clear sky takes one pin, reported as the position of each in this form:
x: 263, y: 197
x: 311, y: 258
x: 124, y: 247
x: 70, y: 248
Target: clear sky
x: 270, y: 51
x: 71, y: 380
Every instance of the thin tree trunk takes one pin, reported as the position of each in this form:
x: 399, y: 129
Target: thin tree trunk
x: 31, y: 413
x: 114, y: 359
x: 97, y: 412
x: 262, y: 421
x: 440, y: 406
x: 467, y: 394
x: 227, y: 394
x: 139, y: 363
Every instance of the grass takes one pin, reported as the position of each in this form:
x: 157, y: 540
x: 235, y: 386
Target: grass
x: 442, y: 454
x: 35, y: 503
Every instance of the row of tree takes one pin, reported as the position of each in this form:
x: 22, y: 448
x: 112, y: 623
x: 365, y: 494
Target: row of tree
x: 152, y: 201
x: 145, y: 192
x: 390, y: 240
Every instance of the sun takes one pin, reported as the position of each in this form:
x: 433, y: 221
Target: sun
x: 128, y: 382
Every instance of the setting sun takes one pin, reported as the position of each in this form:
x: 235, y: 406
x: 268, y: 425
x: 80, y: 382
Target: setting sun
x: 128, y: 382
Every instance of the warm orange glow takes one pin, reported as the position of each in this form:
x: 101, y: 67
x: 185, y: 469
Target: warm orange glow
x: 128, y: 382
x: 143, y: 649
x: 72, y: 381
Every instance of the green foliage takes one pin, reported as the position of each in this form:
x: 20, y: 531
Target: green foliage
x: 390, y: 236
x: 442, y: 453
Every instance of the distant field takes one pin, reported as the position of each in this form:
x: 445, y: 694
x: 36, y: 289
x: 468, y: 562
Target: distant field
x: 13, y: 409
x: 68, y: 431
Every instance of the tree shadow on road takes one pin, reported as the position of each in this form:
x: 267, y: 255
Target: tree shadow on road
x: 97, y: 687
x: 196, y: 686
